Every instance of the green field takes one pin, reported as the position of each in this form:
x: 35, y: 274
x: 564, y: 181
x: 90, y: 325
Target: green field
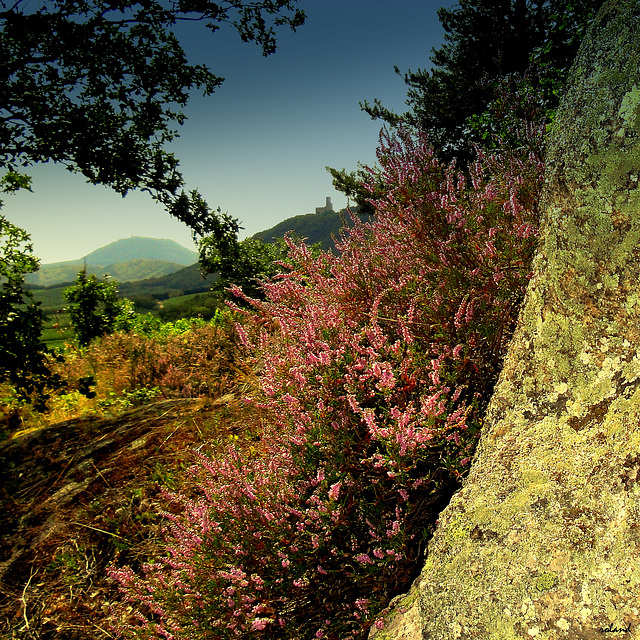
x: 57, y: 330
x: 51, y: 299
x: 57, y: 327
x: 195, y: 305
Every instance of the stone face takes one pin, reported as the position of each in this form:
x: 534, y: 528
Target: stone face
x: 543, y: 541
x: 402, y: 618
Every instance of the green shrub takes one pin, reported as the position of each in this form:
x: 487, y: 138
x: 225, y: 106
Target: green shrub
x: 23, y: 355
x: 95, y: 308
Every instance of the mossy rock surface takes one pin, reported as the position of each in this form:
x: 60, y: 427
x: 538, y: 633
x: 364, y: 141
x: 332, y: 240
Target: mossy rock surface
x: 543, y: 541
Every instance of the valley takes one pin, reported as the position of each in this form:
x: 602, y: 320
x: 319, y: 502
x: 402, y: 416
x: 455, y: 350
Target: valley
x: 158, y: 275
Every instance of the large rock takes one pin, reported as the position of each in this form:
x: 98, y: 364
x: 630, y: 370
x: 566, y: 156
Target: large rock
x: 543, y: 541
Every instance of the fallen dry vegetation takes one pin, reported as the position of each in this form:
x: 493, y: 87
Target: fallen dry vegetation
x: 82, y: 494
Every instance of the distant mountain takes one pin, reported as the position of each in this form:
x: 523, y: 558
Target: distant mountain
x: 185, y: 281
x: 125, y: 260
x: 50, y: 275
x: 315, y: 227
x: 138, y: 248
x: 156, y: 267
x: 147, y: 281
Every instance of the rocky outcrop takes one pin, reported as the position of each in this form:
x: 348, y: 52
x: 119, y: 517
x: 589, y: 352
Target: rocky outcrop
x: 543, y: 540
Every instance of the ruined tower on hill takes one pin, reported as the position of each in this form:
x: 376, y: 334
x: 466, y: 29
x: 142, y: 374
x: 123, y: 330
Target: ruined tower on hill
x: 327, y: 207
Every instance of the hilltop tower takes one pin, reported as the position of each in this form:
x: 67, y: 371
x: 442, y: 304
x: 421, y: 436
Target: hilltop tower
x: 327, y: 207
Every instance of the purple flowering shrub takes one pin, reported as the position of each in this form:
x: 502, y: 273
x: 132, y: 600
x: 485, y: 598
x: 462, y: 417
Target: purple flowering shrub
x: 377, y: 364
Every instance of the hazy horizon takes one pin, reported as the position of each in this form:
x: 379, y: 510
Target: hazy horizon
x: 259, y: 146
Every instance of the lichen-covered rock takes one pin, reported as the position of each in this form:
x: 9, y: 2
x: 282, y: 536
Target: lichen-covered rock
x: 402, y: 618
x: 543, y: 541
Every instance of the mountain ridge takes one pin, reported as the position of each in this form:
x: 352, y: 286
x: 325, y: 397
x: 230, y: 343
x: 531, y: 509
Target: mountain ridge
x: 126, y: 260
x: 141, y: 248
x: 317, y: 228
x: 140, y: 258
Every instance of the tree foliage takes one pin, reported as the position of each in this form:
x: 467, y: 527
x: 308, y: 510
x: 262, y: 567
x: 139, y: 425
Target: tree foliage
x: 351, y: 184
x: 23, y: 356
x: 95, y: 308
x: 100, y: 85
x: 245, y: 263
x: 486, y: 40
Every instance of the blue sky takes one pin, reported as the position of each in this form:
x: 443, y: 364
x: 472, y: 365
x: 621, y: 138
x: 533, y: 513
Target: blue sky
x: 258, y: 147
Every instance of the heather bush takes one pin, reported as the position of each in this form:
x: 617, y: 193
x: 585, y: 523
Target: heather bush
x: 377, y: 364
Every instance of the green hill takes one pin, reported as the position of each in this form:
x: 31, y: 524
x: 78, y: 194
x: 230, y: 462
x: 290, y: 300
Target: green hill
x: 65, y: 272
x: 55, y: 273
x: 183, y: 282
x: 138, y: 248
x: 315, y: 227
x: 134, y: 270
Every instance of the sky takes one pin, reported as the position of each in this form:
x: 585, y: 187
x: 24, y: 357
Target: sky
x: 258, y: 147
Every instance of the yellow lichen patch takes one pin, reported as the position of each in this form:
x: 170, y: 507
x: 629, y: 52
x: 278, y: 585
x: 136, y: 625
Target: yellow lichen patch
x: 546, y: 581
x: 631, y: 370
x: 630, y: 108
x: 459, y: 528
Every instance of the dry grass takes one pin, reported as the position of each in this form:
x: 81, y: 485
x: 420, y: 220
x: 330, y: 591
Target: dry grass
x: 80, y: 495
x: 80, y: 485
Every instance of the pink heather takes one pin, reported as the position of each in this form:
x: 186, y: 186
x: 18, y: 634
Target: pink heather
x: 334, y: 491
x: 374, y: 362
x: 363, y: 558
x: 259, y: 624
